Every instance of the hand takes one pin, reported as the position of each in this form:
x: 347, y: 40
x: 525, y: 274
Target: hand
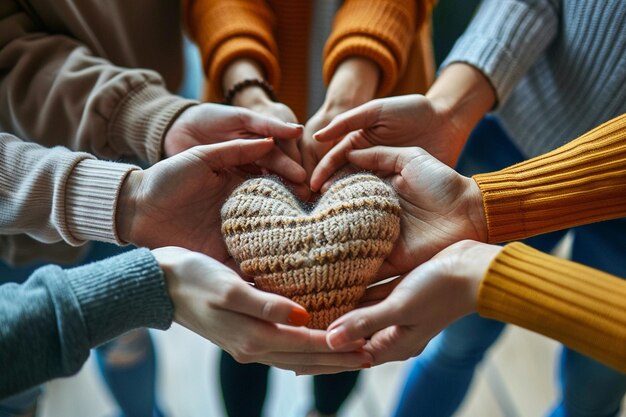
x: 215, y: 123
x: 257, y: 100
x: 439, y: 206
x: 354, y: 82
x: 178, y: 200
x: 253, y: 326
x: 425, y: 302
x: 439, y: 122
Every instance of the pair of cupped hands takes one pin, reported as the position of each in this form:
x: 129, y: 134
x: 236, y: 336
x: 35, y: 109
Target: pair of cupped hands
x: 211, y: 149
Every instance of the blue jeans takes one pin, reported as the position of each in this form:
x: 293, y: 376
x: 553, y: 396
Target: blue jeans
x: 440, y: 376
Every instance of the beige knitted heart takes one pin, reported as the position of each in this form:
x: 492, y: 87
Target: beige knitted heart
x: 323, y: 258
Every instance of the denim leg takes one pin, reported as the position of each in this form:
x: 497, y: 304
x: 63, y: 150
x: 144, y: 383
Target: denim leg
x: 441, y: 375
x: 22, y: 404
x: 589, y: 388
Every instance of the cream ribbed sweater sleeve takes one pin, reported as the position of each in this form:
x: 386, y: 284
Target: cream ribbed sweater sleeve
x: 581, y: 182
x: 579, y: 306
x: 54, y: 194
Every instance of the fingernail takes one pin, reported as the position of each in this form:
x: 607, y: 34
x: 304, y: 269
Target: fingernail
x: 298, y: 125
x: 269, y: 138
x: 366, y: 365
x: 337, y: 338
x: 298, y: 317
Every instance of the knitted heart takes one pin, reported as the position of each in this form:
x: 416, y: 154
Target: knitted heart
x: 322, y: 259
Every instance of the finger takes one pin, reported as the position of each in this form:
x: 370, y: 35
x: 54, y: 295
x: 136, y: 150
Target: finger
x: 290, y: 148
x: 382, y: 158
x: 266, y: 306
x: 343, y: 359
x: 270, y: 126
x: 309, y: 160
x: 234, y: 152
x: 326, y: 370
x: 361, y: 323
x: 336, y: 159
x: 277, y: 162
x: 360, y: 117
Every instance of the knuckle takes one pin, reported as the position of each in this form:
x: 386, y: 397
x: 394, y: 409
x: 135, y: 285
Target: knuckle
x: 364, y: 324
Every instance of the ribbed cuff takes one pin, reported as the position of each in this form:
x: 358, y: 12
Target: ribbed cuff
x: 504, y: 40
x: 364, y: 47
x: 581, y: 182
x: 576, y: 305
x: 143, y: 117
x: 91, y: 197
x: 236, y: 48
x: 121, y: 293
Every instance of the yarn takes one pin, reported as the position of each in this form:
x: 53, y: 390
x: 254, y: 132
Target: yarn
x: 322, y: 258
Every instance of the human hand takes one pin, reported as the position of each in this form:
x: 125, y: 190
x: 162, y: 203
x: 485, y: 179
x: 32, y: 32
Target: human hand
x: 426, y: 300
x: 256, y: 99
x: 178, y: 200
x: 440, y: 122
x: 354, y: 82
x: 214, y: 123
x: 411, y: 120
x: 439, y: 206
x: 253, y: 326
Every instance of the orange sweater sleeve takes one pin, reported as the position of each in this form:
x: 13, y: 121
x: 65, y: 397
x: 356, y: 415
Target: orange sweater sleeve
x: 581, y: 182
x: 579, y: 306
x: 228, y: 30
x: 379, y: 30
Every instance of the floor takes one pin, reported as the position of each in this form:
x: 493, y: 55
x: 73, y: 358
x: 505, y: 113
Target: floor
x: 516, y: 380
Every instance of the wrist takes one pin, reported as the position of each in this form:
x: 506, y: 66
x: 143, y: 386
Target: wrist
x: 354, y: 82
x: 127, y: 207
x: 475, y: 210
x: 463, y: 95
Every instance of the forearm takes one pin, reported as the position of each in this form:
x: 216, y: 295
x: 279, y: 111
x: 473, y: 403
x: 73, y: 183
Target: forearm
x: 55, y: 194
x: 581, y: 182
x: 464, y: 95
x: 354, y: 82
x: 50, y: 322
x: 504, y: 40
x: 380, y: 32
x: 58, y: 92
x: 574, y: 304
x: 229, y: 31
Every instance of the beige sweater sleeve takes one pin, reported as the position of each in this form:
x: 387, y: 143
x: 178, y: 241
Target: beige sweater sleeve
x: 54, y: 194
x: 54, y: 90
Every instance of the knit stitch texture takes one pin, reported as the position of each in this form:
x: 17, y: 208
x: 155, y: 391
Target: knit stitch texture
x: 322, y: 259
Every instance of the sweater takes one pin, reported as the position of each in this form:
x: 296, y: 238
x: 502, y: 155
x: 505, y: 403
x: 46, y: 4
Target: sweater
x: 558, y: 67
x: 49, y: 323
x: 579, y: 183
x: 395, y: 34
x: 90, y: 76
x: 57, y: 195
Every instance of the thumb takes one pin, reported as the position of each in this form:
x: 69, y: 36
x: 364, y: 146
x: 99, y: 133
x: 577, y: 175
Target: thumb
x: 270, y: 126
x: 234, y: 152
x: 361, y: 323
x: 360, y: 117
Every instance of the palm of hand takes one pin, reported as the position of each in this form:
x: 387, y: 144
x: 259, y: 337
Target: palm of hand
x: 435, y: 213
x: 181, y: 206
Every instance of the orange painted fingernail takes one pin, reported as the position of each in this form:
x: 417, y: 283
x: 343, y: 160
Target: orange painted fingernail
x: 366, y: 365
x: 298, y: 317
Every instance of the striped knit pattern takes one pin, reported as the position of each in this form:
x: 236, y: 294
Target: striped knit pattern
x: 558, y: 67
x: 323, y: 258
x: 574, y: 304
x: 579, y: 183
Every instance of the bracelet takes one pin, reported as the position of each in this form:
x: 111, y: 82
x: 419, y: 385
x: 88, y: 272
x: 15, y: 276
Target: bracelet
x: 250, y: 82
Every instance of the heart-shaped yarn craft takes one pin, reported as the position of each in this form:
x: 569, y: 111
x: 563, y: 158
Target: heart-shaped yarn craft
x: 322, y: 258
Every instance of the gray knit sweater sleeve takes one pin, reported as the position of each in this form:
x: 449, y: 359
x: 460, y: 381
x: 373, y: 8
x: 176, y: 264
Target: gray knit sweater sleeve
x: 505, y: 38
x: 49, y: 323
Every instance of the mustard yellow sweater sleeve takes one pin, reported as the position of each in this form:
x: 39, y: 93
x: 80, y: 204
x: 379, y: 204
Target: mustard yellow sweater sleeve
x: 228, y: 30
x: 581, y: 182
x: 579, y: 306
x: 379, y: 30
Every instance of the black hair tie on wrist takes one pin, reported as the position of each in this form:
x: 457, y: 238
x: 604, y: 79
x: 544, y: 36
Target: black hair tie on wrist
x: 249, y: 82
